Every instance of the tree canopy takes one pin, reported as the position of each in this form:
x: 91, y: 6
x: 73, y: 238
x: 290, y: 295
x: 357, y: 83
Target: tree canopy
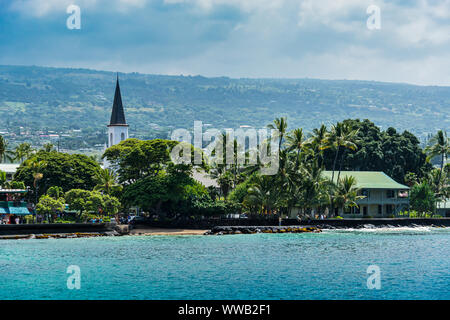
x: 388, y: 151
x: 68, y: 171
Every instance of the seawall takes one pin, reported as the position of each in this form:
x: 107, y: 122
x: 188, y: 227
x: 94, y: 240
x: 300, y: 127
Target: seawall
x: 24, y: 229
x: 322, y: 224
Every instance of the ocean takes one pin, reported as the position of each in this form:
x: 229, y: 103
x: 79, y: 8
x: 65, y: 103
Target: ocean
x: 409, y: 263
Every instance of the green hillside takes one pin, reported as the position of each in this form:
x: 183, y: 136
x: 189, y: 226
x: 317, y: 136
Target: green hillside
x: 60, y: 100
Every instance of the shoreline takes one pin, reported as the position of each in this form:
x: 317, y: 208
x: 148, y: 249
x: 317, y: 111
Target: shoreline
x: 166, y: 232
x: 221, y: 230
x: 217, y: 227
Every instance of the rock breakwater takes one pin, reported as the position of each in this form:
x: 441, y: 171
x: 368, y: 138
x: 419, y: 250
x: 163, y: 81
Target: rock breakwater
x: 222, y: 230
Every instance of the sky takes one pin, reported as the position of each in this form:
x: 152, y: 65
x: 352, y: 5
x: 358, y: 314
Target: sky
x: 326, y: 39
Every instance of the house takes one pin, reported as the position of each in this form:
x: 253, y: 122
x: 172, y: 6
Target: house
x: 10, y: 169
x: 443, y: 208
x: 383, y: 196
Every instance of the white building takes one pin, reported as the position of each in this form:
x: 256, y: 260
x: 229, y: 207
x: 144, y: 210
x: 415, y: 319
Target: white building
x: 10, y: 169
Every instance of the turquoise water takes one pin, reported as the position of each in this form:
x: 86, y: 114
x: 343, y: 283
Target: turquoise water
x: 414, y: 264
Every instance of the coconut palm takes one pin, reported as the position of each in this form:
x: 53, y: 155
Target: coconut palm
x: 2, y: 179
x: 439, y: 145
x: 23, y: 151
x: 107, y: 181
x: 8, y: 154
x: 340, y: 136
x: 316, y: 141
x: 2, y: 148
x: 346, y: 193
x: 5, y: 153
x: 296, y: 141
x: 36, y: 169
x: 262, y: 195
x: 279, y: 124
x: 315, y: 188
x: 48, y: 147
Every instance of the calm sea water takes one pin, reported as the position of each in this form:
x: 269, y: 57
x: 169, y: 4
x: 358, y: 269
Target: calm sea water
x: 414, y: 264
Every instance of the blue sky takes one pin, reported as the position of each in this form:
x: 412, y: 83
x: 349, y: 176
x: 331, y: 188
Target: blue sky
x: 325, y: 39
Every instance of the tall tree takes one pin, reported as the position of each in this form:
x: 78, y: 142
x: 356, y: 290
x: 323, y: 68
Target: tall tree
x: 23, y: 151
x: 340, y: 136
x: 2, y: 148
x: 317, y: 140
x: 346, y: 194
x: 296, y: 141
x: 107, y: 181
x: 2, y: 179
x: 280, y: 124
x: 439, y: 146
x: 68, y: 171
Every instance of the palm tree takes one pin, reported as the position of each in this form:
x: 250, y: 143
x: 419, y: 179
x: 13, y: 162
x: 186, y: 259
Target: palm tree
x: 8, y: 154
x: 287, y: 180
x: 315, y: 188
x: 36, y: 169
x: 340, y: 136
x: 2, y: 148
x: 262, y: 195
x: 48, y: 147
x: 23, y: 151
x: 2, y: 179
x: 346, y: 194
x: 279, y: 124
x: 439, y: 146
x: 296, y: 141
x: 107, y: 181
x: 316, y: 141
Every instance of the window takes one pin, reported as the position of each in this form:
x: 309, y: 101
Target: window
x: 365, y: 193
x: 380, y: 209
x: 389, y: 208
x: 111, y: 139
x: 390, y: 193
x: 122, y: 136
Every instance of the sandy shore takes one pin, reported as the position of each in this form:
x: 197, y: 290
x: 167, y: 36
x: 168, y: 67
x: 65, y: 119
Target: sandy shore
x: 166, y: 232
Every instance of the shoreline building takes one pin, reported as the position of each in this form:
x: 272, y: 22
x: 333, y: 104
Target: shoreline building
x: 383, y: 196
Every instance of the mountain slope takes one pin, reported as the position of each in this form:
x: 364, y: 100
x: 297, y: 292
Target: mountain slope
x: 41, y: 98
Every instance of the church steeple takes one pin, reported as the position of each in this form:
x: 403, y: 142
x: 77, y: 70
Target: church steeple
x: 118, y: 127
x: 117, y: 115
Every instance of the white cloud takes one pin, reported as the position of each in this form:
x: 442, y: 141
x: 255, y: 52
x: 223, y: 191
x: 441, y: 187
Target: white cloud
x: 41, y: 8
x: 425, y: 24
x: 272, y: 38
x: 245, y: 5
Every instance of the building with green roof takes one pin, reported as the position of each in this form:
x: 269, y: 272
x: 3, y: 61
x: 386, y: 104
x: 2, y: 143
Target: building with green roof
x: 383, y: 196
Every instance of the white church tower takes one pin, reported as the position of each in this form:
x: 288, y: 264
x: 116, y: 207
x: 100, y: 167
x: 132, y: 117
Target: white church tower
x: 118, y: 127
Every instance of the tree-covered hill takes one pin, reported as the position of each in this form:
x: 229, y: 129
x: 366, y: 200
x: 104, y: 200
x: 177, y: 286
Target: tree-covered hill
x: 41, y: 98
